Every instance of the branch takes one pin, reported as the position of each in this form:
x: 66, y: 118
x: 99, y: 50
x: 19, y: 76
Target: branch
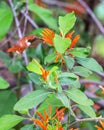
x: 85, y: 120
x: 91, y: 82
x: 29, y: 19
x: 89, y: 11
x: 60, y: 4
x: 20, y: 35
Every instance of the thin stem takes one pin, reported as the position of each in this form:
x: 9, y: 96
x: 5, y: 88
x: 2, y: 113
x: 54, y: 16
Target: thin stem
x: 60, y: 4
x: 65, y: 4
x: 25, y: 21
x: 85, y: 120
x: 91, y: 82
x: 89, y: 11
x: 20, y: 35
x: 29, y: 19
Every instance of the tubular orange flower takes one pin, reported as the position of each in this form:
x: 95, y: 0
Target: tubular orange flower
x: 58, y: 56
x: 46, y: 116
x: 98, y: 128
x: 39, y: 123
x: 60, y: 114
x: 47, y: 36
x: 40, y: 115
x: 69, y: 35
x: 102, y: 125
x: 60, y: 128
x: 47, y: 120
x: 74, y: 41
x: 44, y: 73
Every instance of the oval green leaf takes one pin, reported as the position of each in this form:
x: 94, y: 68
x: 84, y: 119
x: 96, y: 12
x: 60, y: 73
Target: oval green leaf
x: 78, y: 97
x: 34, y: 66
x: 6, y: 18
x: 31, y: 100
x: 66, y: 23
x: 3, y: 83
x: 61, y: 44
x: 9, y: 121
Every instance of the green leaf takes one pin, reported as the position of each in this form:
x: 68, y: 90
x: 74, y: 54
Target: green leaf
x: 90, y: 64
x: 6, y: 18
x: 80, y: 52
x: 34, y: 66
x: 69, y: 79
x: 35, y: 79
x: 78, y: 97
x: 88, y: 110
x: 69, y: 61
x: 66, y: 23
x: 63, y: 98
x: 52, y: 101
x: 3, y: 83
x: 61, y: 44
x: 4, y: 56
x: 7, y: 102
x: 50, y: 58
x: 28, y: 127
x: 9, y: 121
x: 15, y: 67
x: 31, y: 100
x: 81, y: 71
x: 44, y: 14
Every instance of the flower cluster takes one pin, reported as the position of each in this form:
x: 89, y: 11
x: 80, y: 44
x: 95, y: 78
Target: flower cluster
x: 48, y: 120
x: 48, y: 36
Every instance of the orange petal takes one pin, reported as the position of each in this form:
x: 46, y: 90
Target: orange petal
x: 44, y: 73
x: 98, y: 128
x: 59, y: 113
x: 48, y: 35
x: 69, y: 35
x: 46, y: 115
x: 40, y: 115
x: 39, y: 123
x: 74, y: 41
x: 102, y: 123
x: 58, y: 57
x: 50, y: 110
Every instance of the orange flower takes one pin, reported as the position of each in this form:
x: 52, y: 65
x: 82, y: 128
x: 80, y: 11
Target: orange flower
x: 44, y: 73
x: 40, y: 123
x: 58, y: 56
x: 47, y: 119
x: 69, y: 35
x: 102, y: 125
x: 74, y: 41
x: 60, y: 114
x: 47, y: 36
